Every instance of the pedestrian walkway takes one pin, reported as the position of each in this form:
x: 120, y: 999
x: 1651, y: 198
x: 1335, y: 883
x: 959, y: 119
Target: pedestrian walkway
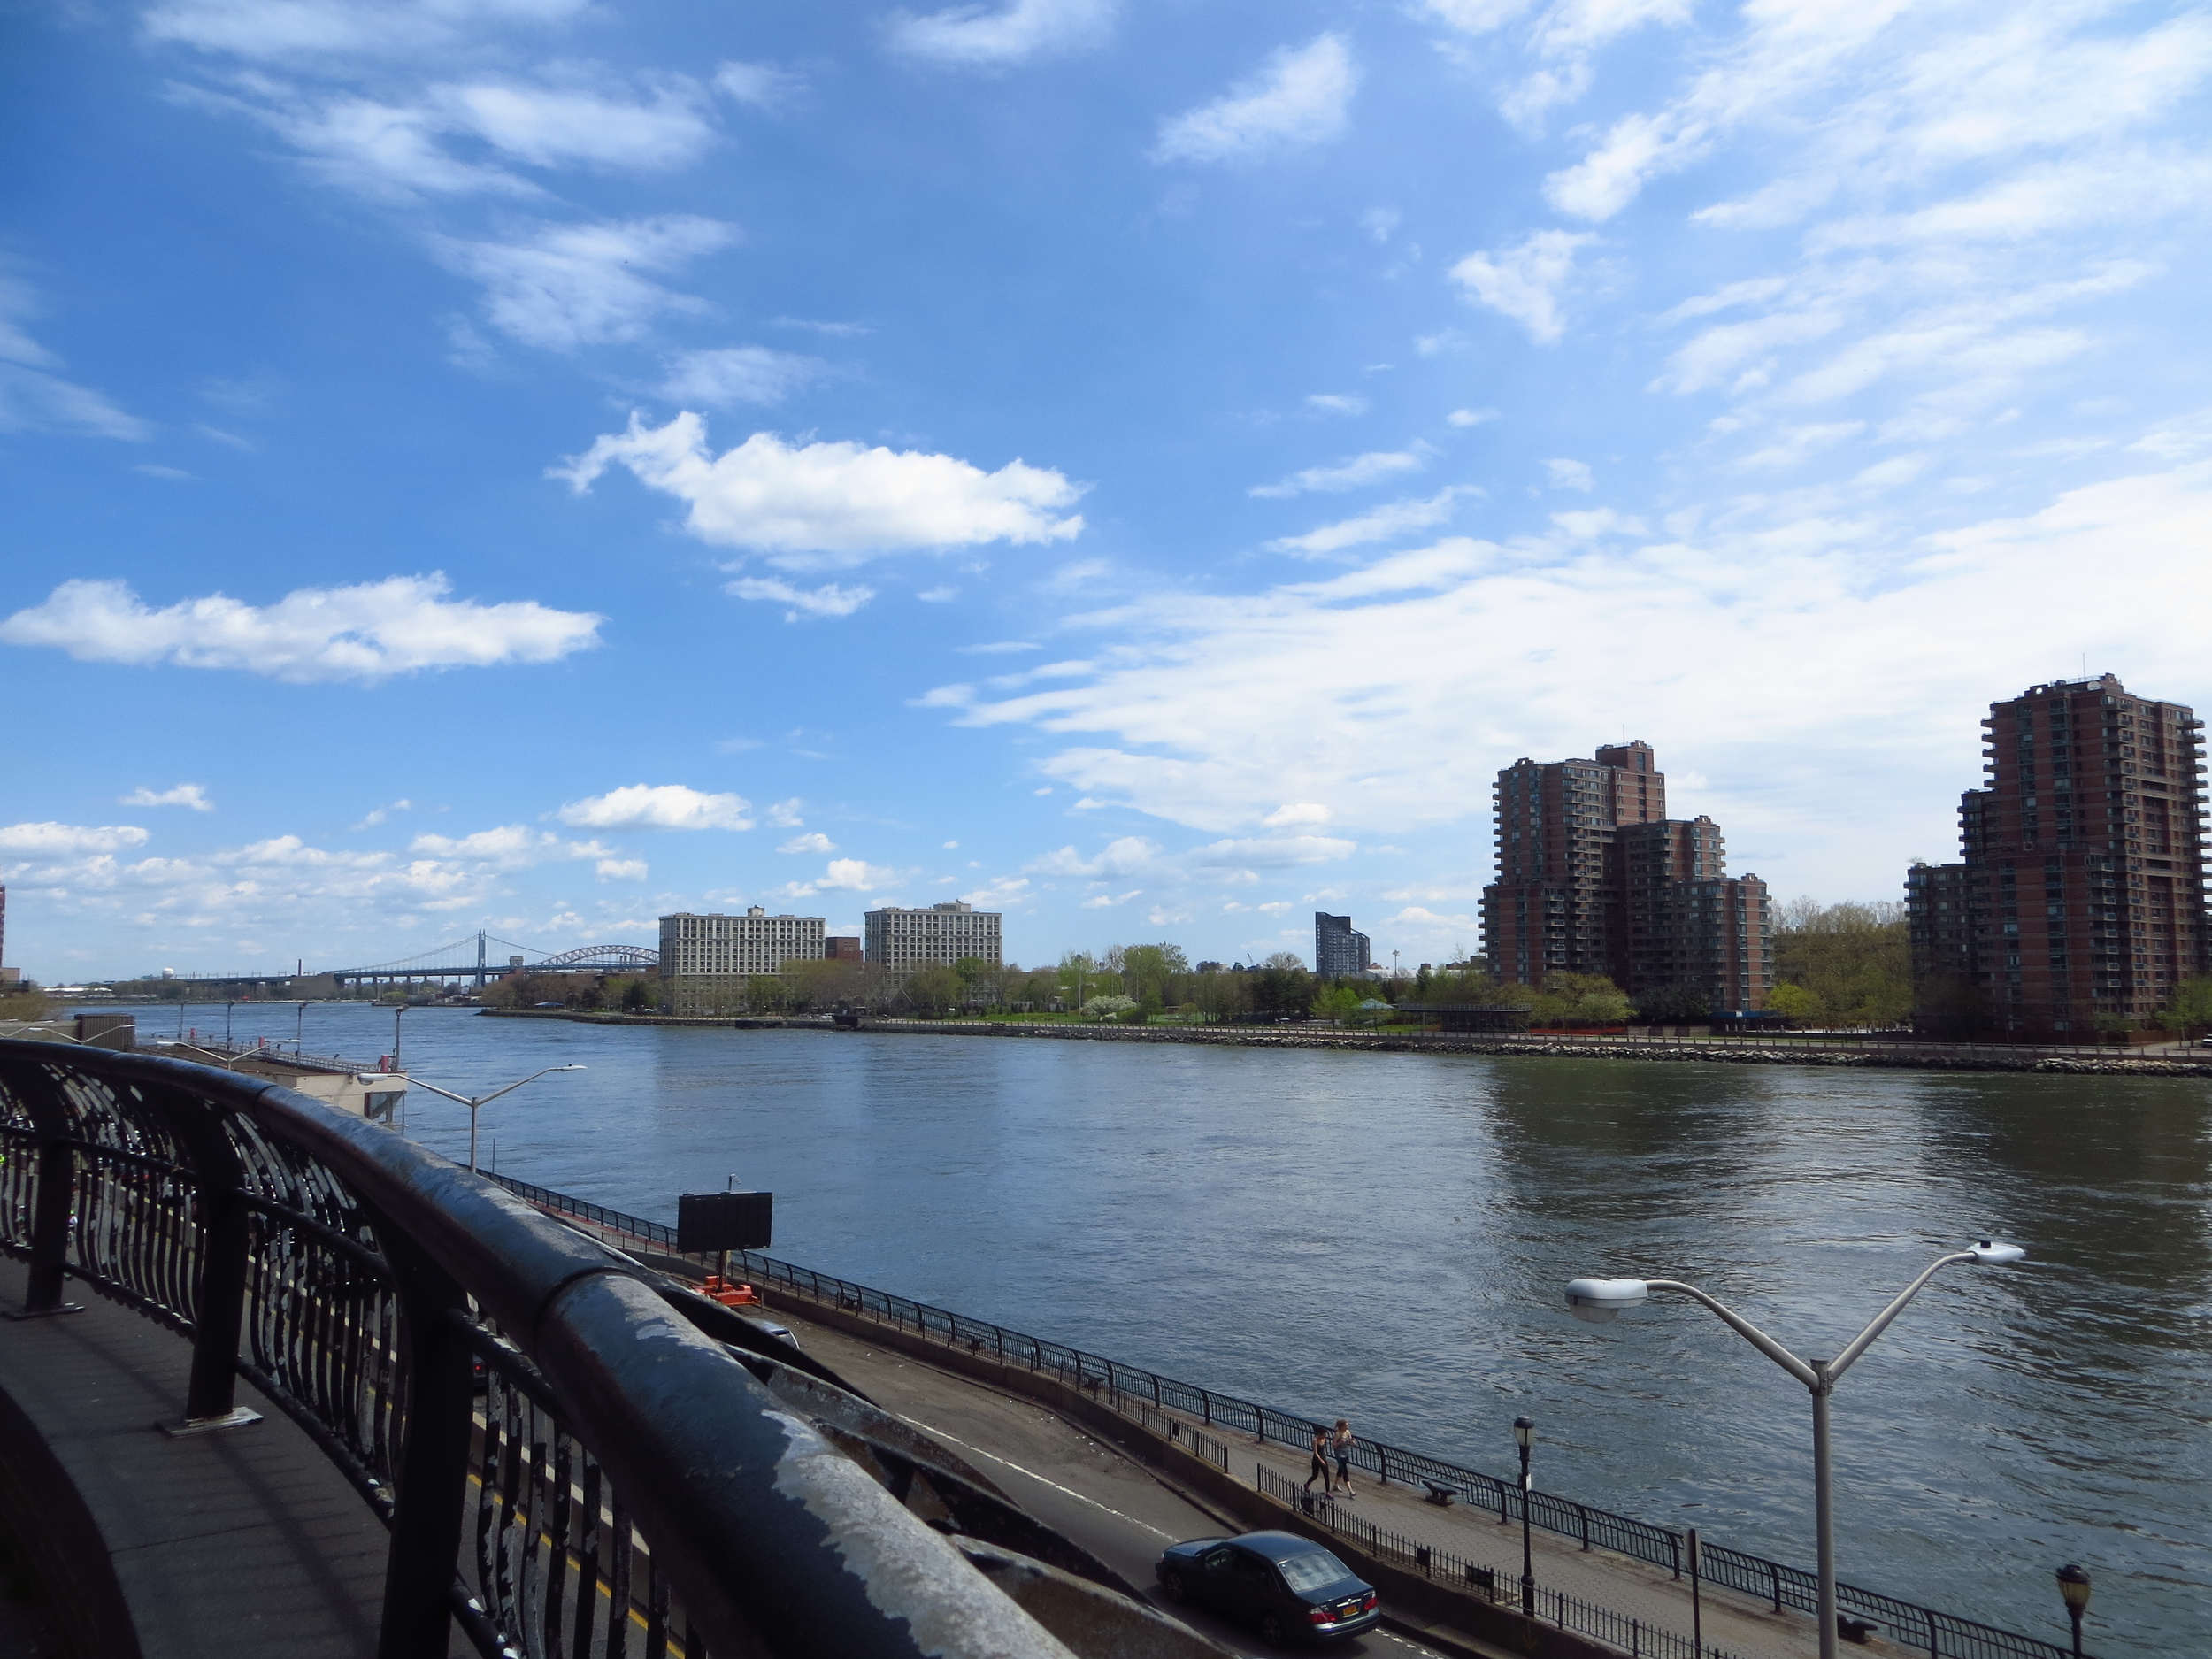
x: 233, y: 1545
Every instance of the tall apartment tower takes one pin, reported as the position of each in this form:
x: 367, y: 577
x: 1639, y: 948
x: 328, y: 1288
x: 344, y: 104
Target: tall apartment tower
x: 2080, y: 888
x: 1338, y: 949
x: 1593, y: 878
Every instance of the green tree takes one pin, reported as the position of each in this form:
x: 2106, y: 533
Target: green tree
x: 1583, y: 998
x: 1339, y: 1004
x: 2192, y: 1004
x: 1792, y: 1002
x: 1671, y: 1004
x: 1146, y: 970
x: 1280, y: 987
x: 1113, y: 1007
x: 933, y: 988
x: 1853, y: 959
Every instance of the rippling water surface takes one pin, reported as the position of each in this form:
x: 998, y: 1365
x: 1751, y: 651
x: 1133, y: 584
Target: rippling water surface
x: 1385, y: 1237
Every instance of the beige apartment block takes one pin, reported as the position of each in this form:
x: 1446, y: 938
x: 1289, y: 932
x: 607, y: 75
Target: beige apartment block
x: 705, y: 960
x: 900, y: 940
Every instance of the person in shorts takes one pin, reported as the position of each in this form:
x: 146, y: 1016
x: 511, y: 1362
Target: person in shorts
x: 1341, y: 1443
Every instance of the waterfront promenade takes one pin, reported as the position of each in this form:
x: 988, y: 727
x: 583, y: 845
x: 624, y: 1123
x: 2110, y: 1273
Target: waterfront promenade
x: 2177, y: 1058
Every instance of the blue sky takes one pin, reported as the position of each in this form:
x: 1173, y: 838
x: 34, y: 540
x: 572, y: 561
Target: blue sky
x: 1141, y: 465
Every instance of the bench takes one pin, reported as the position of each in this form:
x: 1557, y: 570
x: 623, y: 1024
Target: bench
x: 1439, y: 1494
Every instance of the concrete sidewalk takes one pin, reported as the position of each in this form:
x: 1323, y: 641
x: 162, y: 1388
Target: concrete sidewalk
x: 233, y: 1545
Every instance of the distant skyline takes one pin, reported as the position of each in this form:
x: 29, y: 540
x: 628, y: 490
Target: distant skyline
x: 539, y: 464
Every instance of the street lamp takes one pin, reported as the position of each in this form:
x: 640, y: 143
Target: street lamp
x: 473, y: 1103
x: 1598, y: 1301
x: 2073, y: 1584
x: 1524, y: 1435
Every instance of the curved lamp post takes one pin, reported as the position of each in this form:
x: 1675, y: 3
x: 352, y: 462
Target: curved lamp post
x: 473, y: 1103
x: 1598, y: 1301
x: 1524, y: 1435
x: 2073, y: 1584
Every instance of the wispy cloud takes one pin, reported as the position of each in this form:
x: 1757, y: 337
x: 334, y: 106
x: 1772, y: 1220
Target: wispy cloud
x: 192, y: 796
x: 1299, y: 97
x: 1525, y: 281
x: 1380, y: 523
x: 1361, y: 468
x: 566, y: 287
x: 981, y: 37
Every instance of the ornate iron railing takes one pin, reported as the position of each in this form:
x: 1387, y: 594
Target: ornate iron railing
x: 637, y: 1489
x: 1920, y: 1631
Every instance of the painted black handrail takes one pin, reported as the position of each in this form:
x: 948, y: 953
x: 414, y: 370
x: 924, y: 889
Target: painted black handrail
x: 1909, y: 1627
x: 632, y: 1480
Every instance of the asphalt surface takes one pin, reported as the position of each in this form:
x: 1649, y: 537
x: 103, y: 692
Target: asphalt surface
x: 1069, y: 1480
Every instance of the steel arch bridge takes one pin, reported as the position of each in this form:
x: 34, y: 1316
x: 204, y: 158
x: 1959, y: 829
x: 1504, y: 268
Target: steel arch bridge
x: 470, y: 958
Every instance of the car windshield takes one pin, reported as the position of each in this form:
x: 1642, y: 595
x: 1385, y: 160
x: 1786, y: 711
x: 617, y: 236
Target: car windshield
x: 1304, y: 1573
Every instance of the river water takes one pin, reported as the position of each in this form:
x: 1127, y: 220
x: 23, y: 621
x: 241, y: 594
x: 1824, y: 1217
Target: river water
x: 1385, y: 1237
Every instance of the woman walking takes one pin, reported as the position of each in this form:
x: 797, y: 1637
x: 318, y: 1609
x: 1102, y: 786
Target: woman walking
x: 1320, y: 1469
x: 1342, y: 1441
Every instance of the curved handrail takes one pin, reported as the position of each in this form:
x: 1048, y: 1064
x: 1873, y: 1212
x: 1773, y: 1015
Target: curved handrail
x: 367, y: 1276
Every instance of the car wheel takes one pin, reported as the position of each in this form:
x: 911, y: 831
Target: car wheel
x: 1273, y: 1632
x: 1177, y: 1592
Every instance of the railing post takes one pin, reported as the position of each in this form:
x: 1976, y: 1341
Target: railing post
x: 219, y: 1295
x: 57, y: 1195
x: 434, y: 1470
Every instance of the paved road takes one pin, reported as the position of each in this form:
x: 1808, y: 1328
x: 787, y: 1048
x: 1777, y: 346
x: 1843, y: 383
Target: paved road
x: 1085, y: 1489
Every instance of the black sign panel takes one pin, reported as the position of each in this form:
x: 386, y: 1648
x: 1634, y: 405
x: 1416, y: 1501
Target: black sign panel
x: 707, y: 1222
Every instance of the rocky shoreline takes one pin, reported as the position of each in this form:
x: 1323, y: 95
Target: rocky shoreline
x: 1915, y: 1057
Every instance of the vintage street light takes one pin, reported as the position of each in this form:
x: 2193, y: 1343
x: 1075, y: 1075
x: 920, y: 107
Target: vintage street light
x: 1524, y: 1434
x: 2073, y: 1584
x: 1598, y: 1301
x: 473, y: 1103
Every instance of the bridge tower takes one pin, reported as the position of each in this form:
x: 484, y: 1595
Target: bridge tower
x: 479, y: 962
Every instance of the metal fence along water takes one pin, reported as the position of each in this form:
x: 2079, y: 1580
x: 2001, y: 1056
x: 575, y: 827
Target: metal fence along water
x: 567, y: 1464
x: 1907, y: 1626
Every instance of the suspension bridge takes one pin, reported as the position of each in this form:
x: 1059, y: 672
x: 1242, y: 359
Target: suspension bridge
x: 471, y: 959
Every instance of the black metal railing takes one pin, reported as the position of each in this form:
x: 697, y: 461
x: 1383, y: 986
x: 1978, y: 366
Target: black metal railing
x: 1637, y: 1636
x: 637, y: 1489
x: 1911, y: 1628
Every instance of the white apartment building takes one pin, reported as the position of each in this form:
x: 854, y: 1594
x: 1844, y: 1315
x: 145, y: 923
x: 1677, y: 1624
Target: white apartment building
x: 705, y: 960
x: 900, y: 940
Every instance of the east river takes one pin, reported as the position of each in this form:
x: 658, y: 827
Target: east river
x: 1385, y: 1237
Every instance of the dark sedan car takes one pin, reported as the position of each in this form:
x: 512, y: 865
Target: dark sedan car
x: 1290, y: 1587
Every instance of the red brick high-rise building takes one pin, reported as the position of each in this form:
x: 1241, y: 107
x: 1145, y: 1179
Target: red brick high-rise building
x: 2080, y: 892
x: 1593, y: 878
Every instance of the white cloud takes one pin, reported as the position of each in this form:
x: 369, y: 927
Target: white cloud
x: 1274, y: 852
x: 564, y: 286
x: 1125, y: 856
x: 66, y: 840
x: 1567, y: 474
x: 1525, y: 280
x: 621, y: 869
x: 1297, y: 812
x: 764, y: 86
x: 271, y: 30
x: 1335, y: 403
x: 507, y: 843
x: 367, y: 634
x: 1361, y: 468
x: 812, y: 842
x: 975, y: 36
x: 1299, y: 98
x: 854, y: 875
x: 1379, y: 524
x: 943, y: 592
x: 549, y: 126
x: 1470, y: 416
x: 1339, y: 688
x: 731, y: 375
x: 668, y: 806
x: 191, y: 795
x: 831, y: 599
x: 785, y: 814
x: 817, y: 506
